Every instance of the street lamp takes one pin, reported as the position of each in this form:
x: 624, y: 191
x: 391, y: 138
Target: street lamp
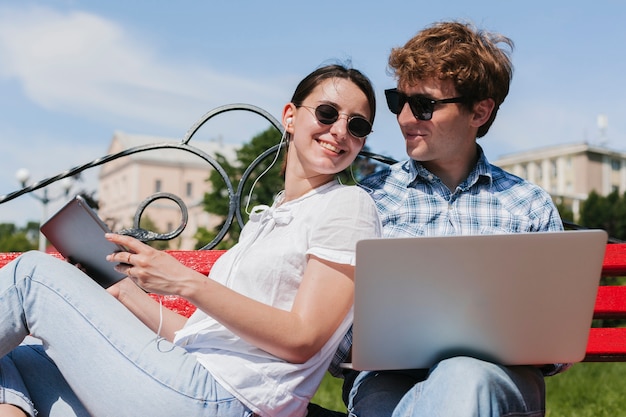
x: 22, y: 175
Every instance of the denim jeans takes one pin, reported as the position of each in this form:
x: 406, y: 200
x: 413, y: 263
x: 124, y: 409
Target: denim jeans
x: 456, y: 387
x: 95, y: 357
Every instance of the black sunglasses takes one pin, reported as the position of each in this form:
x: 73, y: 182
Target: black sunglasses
x: 422, y: 107
x: 358, y: 126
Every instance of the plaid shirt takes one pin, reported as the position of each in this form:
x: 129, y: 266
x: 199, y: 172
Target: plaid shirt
x: 412, y: 201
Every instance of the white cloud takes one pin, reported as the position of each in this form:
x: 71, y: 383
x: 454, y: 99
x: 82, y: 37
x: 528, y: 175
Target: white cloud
x: 87, y: 66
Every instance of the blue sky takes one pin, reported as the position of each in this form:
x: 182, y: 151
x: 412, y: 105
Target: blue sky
x: 72, y: 72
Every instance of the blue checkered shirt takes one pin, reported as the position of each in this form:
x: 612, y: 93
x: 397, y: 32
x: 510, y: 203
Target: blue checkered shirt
x: 412, y: 201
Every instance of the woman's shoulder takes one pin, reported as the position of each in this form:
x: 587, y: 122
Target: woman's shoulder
x: 350, y: 199
x: 346, y: 208
x: 348, y: 193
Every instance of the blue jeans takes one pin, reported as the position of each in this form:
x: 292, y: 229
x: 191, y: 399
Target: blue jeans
x: 456, y: 387
x: 96, y: 358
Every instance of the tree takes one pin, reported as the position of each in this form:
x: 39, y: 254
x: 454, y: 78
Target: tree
x: 608, y: 213
x: 14, y: 239
x: 217, y: 202
x: 565, y: 212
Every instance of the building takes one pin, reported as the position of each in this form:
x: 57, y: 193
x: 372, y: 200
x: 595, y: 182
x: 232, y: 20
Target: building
x: 126, y: 182
x: 570, y: 172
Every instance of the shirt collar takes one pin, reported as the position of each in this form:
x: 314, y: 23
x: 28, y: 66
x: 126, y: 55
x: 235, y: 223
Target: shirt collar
x: 415, y: 172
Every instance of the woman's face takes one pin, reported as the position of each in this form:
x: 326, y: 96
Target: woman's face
x: 318, y: 149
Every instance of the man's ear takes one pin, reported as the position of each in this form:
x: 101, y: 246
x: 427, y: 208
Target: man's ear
x: 482, y: 112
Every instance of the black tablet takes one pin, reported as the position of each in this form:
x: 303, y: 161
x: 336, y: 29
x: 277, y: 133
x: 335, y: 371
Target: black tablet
x: 77, y: 233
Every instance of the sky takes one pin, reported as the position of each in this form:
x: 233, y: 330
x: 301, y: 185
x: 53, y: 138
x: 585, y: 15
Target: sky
x: 73, y: 72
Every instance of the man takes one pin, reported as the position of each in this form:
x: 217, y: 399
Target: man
x: 451, y: 81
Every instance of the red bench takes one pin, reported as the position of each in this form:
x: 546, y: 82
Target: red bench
x: 606, y: 344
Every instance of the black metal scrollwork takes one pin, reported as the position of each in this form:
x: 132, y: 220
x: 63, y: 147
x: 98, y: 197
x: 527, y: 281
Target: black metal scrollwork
x: 147, y: 235
x: 234, y: 196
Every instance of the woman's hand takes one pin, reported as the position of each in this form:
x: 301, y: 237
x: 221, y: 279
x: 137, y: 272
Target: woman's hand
x: 123, y: 289
x: 152, y: 270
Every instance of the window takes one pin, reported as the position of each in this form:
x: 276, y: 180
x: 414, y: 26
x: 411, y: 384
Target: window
x: 616, y: 164
x: 157, y: 186
x: 189, y: 189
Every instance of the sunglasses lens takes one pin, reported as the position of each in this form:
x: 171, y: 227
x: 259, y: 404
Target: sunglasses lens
x: 359, y: 127
x: 326, y: 114
x: 422, y: 108
x: 394, y: 101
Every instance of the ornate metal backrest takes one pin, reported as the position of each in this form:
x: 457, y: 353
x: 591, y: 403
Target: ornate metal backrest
x: 234, y: 195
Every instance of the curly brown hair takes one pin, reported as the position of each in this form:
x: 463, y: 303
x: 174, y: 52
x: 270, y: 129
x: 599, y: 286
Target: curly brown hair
x: 470, y: 58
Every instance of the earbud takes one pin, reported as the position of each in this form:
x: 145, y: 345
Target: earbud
x: 289, y: 120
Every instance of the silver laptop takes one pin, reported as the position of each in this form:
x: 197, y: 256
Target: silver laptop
x: 77, y: 233
x: 513, y: 299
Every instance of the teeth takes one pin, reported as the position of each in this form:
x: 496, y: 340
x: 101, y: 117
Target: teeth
x: 329, y: 147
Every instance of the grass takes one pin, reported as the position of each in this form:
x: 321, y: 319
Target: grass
x: 585, y: 390
x: 588, y: 390
x: 329, y: 394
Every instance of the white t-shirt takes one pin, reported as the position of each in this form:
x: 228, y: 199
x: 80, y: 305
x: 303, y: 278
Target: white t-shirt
x: 268, y: 265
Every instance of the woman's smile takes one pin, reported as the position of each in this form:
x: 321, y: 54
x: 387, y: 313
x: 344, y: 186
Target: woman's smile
x: 330, y: 146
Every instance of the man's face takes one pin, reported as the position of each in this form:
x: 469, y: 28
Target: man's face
x: 448, y: 137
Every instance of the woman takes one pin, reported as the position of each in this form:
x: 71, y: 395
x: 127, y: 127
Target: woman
x: 269, y: 316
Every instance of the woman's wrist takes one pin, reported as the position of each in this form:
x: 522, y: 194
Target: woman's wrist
x: 193, y: 285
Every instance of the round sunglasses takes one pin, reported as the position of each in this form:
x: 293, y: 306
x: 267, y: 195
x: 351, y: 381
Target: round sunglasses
x: 422, y: 107
x: 358, y: 126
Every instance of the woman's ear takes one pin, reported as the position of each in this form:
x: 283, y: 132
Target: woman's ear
x: 289, y: 117
x: 482, y: 112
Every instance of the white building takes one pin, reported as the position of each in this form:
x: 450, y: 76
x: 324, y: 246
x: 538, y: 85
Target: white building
x: 126, y: 182
x: 570, y: 172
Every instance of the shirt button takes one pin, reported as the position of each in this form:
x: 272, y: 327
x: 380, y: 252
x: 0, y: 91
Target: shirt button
x: 430, y: 177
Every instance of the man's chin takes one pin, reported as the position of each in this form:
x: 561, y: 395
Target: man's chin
x: 415, y: 152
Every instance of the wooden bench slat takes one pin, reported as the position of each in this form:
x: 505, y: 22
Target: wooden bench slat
x: 610, y: 302
x: 606, y: 345
x: 614, y: 264
x: 199, y: 260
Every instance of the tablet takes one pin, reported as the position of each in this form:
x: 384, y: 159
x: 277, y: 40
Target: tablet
x: 77, y: 233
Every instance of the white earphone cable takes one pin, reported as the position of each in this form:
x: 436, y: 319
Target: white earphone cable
x: 280, y: 145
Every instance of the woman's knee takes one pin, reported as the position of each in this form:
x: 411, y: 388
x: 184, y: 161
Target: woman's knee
x: 28, y: 261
